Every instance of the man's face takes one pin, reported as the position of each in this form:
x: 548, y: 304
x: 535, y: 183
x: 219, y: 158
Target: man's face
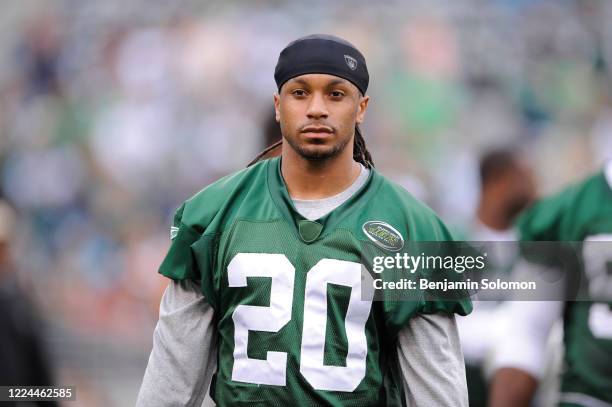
x: 318, y: 113
x: 519, y: 188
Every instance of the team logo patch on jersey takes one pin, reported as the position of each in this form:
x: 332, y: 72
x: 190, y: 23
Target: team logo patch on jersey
x: 383, y: 235
x: 351, y: 62
x: 173, y: 232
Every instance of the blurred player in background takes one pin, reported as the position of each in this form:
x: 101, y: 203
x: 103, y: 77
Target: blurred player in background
x: 507, y: 186
x: 582, y: 212
x: 266, y: 268
x: 23, y: 360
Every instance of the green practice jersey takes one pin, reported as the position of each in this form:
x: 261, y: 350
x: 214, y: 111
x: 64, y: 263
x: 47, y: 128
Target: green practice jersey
x: 287, y: 292
x: 583, y: 212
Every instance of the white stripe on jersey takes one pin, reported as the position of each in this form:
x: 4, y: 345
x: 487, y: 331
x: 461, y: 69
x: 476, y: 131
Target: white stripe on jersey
x: 583, y: 400
x: 608, y: 173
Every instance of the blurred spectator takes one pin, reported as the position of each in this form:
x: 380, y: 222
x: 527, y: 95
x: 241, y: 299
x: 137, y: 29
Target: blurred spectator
x: 22, y: 352
x: 39, y: 57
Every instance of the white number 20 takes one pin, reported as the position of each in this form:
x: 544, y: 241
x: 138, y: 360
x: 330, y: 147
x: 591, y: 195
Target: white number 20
x: 272, y: 370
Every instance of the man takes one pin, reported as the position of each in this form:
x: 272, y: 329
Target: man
x: 507, y: 186
x: 267, y: 275
x: 582, y: 212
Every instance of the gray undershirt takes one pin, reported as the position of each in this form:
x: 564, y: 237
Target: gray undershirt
x: 313, y: 209
x: 183, y: 358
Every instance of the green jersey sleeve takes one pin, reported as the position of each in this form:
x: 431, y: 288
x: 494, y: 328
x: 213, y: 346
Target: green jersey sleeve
x: 424, y: 232
x: 569, y: 215
x: 179, y: 263
x: 543, y: 221
x: 457, y: 301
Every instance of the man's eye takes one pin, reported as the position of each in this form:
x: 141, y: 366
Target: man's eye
x: 337, y: 94
x: 299, y: 92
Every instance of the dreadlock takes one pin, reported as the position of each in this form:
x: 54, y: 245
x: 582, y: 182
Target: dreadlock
x: 269, y: 152
x: 360, y: 151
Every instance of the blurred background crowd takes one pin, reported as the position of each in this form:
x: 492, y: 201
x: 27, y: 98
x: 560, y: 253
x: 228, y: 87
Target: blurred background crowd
x: 112, y: 113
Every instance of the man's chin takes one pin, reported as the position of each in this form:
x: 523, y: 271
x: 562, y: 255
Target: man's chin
x: 317, y: 150
x: 317, y: 153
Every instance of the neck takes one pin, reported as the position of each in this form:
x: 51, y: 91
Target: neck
x: 493, y: 216
x: 311, y: 179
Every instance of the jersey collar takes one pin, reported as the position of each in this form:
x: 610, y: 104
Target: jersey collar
x: 303, y: 227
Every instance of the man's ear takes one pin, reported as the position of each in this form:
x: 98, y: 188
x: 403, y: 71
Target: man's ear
x: 361, y: 108
x: 277, y: 107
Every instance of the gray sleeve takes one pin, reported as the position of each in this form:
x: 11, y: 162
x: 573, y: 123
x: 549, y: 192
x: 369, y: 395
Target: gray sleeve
x: 431, y: 361
x: 183, y: 358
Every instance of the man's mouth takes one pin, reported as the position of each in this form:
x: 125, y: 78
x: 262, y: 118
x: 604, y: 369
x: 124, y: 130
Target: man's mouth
x: 317, y: 129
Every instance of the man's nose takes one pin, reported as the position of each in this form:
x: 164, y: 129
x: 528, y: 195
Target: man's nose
x: 317, y: 108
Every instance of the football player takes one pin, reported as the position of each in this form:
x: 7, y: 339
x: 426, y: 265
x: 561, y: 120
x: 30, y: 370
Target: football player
x: 583, y: 212
x: 507, y: 186
x: 265, y: 306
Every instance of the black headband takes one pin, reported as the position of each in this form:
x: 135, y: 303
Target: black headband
x: 322, y: 53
